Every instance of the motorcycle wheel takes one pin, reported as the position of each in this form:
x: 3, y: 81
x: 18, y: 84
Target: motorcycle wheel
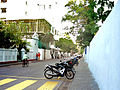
x: 46, y: 72
x: 69, y: 74
x: 73, y: 69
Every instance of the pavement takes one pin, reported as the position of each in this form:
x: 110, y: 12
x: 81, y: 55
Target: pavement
x: 83, y: 79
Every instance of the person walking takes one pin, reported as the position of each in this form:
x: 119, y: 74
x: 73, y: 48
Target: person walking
x: 38, y: 56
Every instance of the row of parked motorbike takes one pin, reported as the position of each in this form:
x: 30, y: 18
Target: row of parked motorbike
x: 63, y: 68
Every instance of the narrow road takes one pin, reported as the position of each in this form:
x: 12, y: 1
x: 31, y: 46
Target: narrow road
x: 16, y: 77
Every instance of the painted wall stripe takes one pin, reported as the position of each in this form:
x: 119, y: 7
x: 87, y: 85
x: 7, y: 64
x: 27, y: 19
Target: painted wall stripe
x: 50, y: 85
x: 22, y: 85
x: 7, y: 80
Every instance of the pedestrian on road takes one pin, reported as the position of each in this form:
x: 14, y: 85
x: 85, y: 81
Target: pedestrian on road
x: 38, y: 56
x: 61, y: 55
x: 24, y: 60
x: 52, y: 56
x: 75, y: 61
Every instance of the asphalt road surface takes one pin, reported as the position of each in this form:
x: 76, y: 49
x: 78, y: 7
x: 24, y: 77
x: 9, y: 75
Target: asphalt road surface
x: 16, y: 77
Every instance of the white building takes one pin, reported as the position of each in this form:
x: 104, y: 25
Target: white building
x: 18, y: 9
x: 50, y: 10
x: 33, y: 9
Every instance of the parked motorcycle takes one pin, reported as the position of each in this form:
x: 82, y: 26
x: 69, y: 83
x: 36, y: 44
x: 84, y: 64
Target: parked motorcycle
x: 59, y: 69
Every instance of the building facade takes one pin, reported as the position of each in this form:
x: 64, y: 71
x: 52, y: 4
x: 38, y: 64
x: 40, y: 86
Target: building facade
x: 39, y: 15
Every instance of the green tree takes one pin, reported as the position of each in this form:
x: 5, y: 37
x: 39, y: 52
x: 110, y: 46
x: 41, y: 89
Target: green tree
x: 85, y: 19
x: 45, y: 39
x: 66, y: 45
x: 11, y: 35
x: 105, y: 7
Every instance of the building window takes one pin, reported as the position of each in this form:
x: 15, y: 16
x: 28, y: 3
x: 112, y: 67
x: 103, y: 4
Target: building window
x: 25, y: 12
x: 3, y: 10
x: 49, y: 6
x: 3, y: 1
x: 44, y: 7
x: 26, y: 3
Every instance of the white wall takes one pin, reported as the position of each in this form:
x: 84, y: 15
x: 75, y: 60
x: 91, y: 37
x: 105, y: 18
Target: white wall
x: 15, y: 9
x: 104, y: 54
x: 86, y: 55
x: 41, y: 51
x: 2, y: 5
x: 31, y: 55
x: 33, y: 46
x: 8, y: 55
x: 47, y: 55
x: 44, y: 54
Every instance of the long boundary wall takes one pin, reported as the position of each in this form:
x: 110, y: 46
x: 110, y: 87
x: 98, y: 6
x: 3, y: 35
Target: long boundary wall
x: 8, y: 55
x: 104, y: 52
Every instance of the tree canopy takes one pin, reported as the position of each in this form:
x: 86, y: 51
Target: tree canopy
x: 85, y: 16
x: 11, y: 35
x: 45, y: 39
x: 66, y: 45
